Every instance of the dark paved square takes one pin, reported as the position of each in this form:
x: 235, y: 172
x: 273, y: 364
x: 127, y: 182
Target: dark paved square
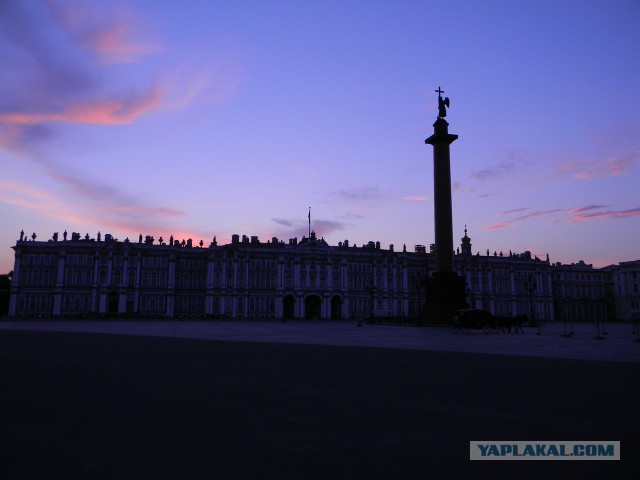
x: 77, y: 405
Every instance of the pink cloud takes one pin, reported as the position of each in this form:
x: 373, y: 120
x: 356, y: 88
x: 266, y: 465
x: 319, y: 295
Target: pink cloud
x: 124, y: 215
x: 583, y: 169
x: 141, y: 210
x: 21, y: 189
x: 113, y: 33
x: 415, y: 198
x: 115, y: 45
x: 588, y: 208
x: 525, y: 215
x: 497, y: 226
x: 40, y: 201
x: 537, y: 213
x: 97, y: 112
x: 515, y: 210
x: 578, y: 215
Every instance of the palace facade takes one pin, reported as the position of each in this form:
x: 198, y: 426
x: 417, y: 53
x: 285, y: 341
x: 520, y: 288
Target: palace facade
x: 248, y: 278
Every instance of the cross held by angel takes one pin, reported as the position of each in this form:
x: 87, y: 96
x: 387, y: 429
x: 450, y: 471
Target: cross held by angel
x: 443, y: 104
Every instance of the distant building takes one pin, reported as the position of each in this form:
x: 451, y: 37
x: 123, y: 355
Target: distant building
x: 581, y: 293
x: 627, y: 296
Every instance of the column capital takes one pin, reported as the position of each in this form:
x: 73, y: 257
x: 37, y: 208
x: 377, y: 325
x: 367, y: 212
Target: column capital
x: 441, y: 133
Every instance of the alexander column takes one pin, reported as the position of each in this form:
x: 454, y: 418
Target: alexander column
x: 446, y: 288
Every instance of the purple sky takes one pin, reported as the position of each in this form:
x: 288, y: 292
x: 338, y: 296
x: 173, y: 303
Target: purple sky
x: 201, y: 118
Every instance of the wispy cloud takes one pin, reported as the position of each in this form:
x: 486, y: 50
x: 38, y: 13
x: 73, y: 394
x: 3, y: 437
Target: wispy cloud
x: 585, y: 169
x: 456, y: 185
x: 581, y: 215
x: 283, y: 222
x: 115, y: 45
x: 326, y: 227
x: 364, y: 193
x: 496, y: 226
x: 297, y: 228
x: 513, y: 160
x: 211, y: 84
x: 48, y: 78
x: 110, y: 200
x: 588, y: 208
x: 118, y: 211
x: 416, y: 198
x: 536, y: 213
x: 562, y: 215
x: 115, y: 35
x: 521, y: 215
x: 98, y: 112
x: 511, y: 212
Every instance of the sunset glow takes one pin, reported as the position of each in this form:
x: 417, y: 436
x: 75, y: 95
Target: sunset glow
x: 200, y: 119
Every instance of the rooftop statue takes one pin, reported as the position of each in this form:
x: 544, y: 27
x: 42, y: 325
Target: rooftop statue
x: 443, y: 104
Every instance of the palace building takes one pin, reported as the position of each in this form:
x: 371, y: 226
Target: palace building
x: 248, y: 278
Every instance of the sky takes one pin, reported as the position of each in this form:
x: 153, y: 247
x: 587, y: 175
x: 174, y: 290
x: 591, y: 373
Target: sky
x: 205, y: 118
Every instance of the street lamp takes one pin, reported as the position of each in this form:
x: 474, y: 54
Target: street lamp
x: 530, y: 285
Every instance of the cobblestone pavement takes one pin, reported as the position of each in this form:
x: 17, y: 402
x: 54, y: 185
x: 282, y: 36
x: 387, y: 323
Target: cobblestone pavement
x: 613, y: 342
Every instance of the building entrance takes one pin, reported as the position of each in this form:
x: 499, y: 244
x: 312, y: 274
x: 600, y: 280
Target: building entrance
x: 112, y: 302
x: 312, y: 306
x: 288, y: 303
x: 336, y: 307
